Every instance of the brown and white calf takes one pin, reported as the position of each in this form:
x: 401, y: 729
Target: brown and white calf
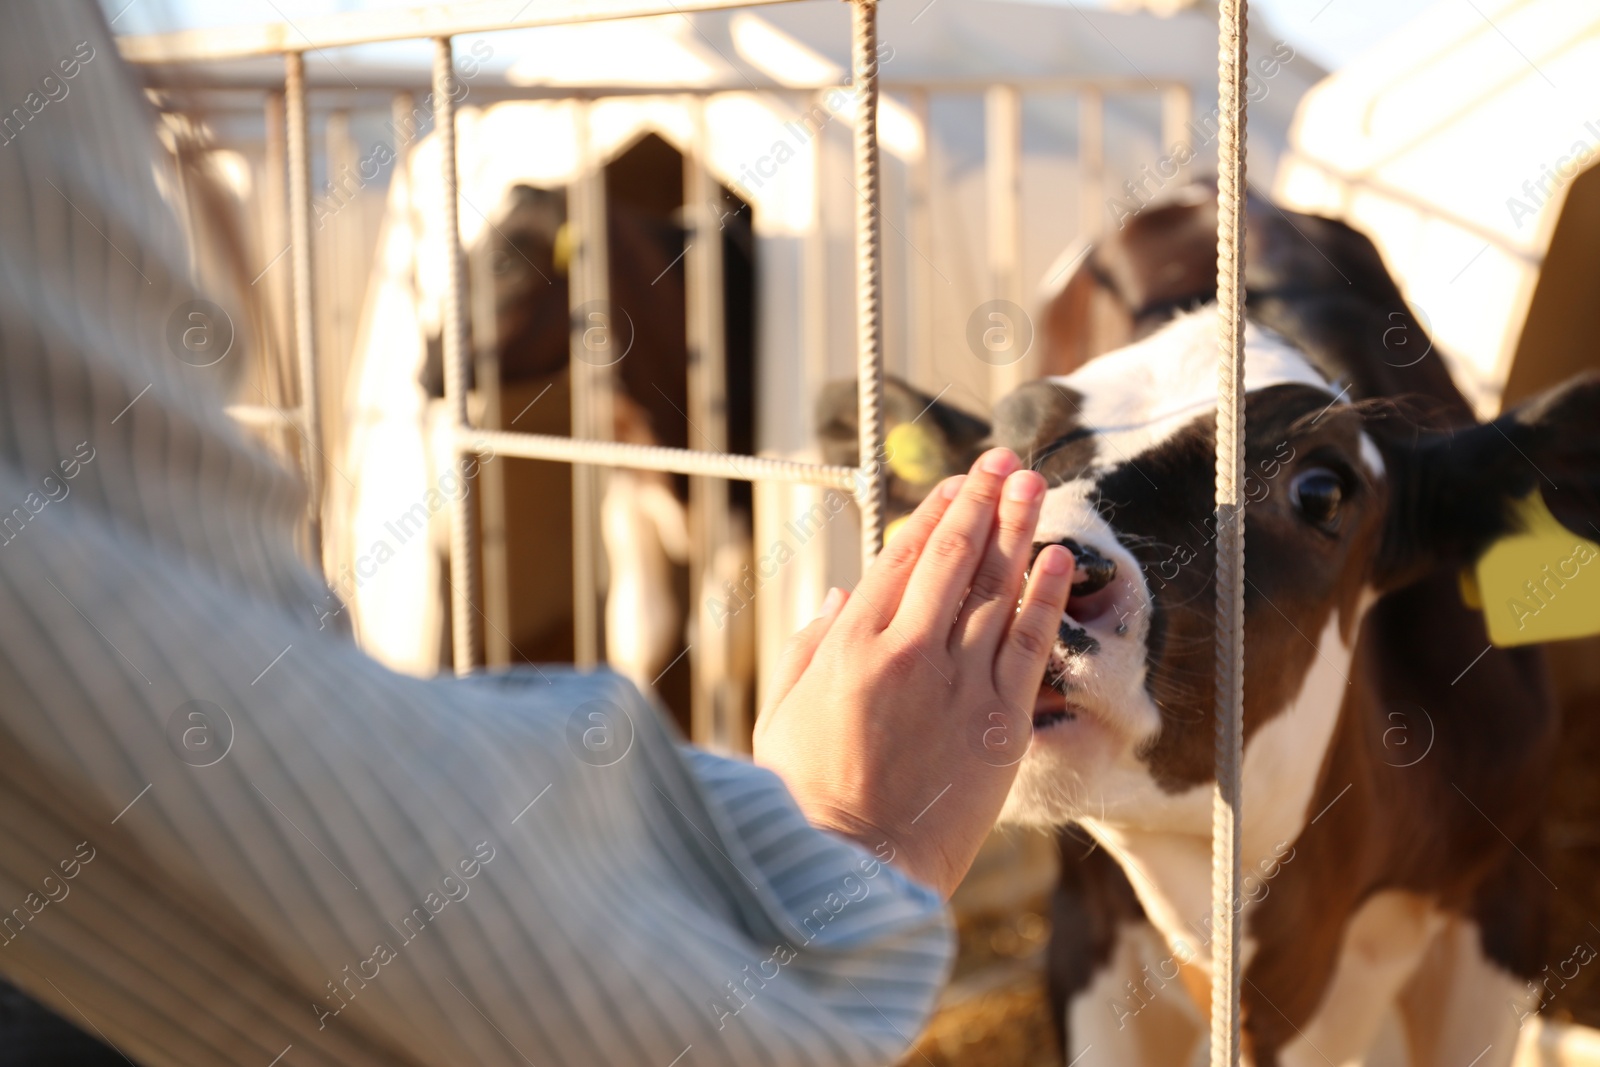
x: 1394, y: 769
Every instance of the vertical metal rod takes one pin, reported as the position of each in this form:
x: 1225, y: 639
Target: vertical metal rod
x: 298, y: 133
x: 716, y: 717
x: 491, y: 475
x: 816, y: 323
x: 1226, y: 808
x: 817, y: 332
x: 869, y: 277
x: 341, y: 277
x: 1003, y: 171
x: 1091, y: 162
x: 594, y: 323
x: 919, y: 306
x: 275, y: 229
x: 463, y: 532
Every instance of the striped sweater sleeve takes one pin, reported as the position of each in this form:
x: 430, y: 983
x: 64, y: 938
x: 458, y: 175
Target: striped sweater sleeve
x: 229, y: 837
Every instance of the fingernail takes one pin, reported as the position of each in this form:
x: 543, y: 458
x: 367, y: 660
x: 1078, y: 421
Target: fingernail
x: 1001, y: 461
x: 1024, y: 487
x: 1055, y: 560
x: 952, y: 486
x: 831, y: 601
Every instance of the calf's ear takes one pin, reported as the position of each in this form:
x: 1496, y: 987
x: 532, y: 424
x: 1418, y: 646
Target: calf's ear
x: 1453, y: 494
x: 925, y: 439
x: 1034, y: 419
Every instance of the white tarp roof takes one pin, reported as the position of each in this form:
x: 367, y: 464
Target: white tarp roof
x: 1452, y: 143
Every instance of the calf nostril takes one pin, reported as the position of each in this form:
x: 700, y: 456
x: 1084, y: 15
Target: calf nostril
x: 1093, y: 571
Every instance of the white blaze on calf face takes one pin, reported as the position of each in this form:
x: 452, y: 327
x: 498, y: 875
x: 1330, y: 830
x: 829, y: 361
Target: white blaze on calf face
x: 1138, y: 397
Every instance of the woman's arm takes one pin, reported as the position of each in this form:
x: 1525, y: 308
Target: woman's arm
x: 227, y: 836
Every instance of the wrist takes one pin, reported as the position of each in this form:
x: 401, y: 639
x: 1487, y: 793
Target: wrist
x: 927, y: 870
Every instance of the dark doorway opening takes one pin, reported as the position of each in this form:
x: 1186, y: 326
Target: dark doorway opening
x: 524, y: 256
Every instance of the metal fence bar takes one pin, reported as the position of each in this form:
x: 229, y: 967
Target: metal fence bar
x: 815, y: 320
x: 593, y: 334
x: 1003, y: 174
x: 716, y: 718
x: 463, y: 518
x: 657, y: 458
x: 342, y: 285
x: 584, y: 449
x: 264, y: 416
x: 298, y: 130
x: 277, y: 284
x: 381, y: 85
x: 922, y: 328
x: 870, y: 490
x: 497, y: 647
x: 1227, y: 964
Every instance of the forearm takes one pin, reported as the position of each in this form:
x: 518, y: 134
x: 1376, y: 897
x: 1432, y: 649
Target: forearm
x: 310, y: 885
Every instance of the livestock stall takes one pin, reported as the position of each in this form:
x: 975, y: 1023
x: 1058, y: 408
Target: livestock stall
x: 997, y: 166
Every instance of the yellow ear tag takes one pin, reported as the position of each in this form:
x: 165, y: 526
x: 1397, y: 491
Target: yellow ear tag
x: 561, y: 249
x: 1541, y: 583
x: 913, y: 454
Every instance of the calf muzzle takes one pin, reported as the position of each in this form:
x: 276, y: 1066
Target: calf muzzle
x: 1093, y: 571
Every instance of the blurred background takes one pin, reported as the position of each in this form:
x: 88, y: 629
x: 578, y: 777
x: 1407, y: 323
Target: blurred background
x: 711, y: 155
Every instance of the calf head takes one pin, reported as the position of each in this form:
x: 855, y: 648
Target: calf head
x: 1345, y: 501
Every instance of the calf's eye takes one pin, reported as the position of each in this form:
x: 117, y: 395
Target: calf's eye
x: 1317, y: 494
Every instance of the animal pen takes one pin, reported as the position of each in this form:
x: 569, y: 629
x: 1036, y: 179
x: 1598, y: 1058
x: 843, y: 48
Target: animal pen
x: 477, y: 545
x: 185, y: 66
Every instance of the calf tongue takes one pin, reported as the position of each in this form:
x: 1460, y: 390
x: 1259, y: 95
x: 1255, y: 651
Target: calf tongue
x: 1050, y: 707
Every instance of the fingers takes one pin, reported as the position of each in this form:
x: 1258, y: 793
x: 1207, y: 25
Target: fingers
x: 803, y: 645
x: 877, y: 595
x: 1019, y: 668
x: 992, y: 601
x: 955, y: 548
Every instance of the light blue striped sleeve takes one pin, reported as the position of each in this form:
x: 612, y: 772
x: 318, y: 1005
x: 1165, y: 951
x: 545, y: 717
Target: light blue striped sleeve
x: 227, y: 836
x: 843, y: 917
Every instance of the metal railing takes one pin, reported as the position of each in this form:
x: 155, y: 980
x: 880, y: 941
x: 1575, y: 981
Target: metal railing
x: 584, y: 450
x: 591, y: 379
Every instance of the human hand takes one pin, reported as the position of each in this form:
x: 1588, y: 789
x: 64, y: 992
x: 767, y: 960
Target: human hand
x: 883, y: 720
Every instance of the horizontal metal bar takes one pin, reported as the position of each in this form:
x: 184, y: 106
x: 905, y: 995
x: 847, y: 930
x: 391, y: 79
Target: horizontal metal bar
x: 263, y: 416
x: 365, y: 27
x: 655, y: 458
x: 336, y: 93
x: 232, y: 90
